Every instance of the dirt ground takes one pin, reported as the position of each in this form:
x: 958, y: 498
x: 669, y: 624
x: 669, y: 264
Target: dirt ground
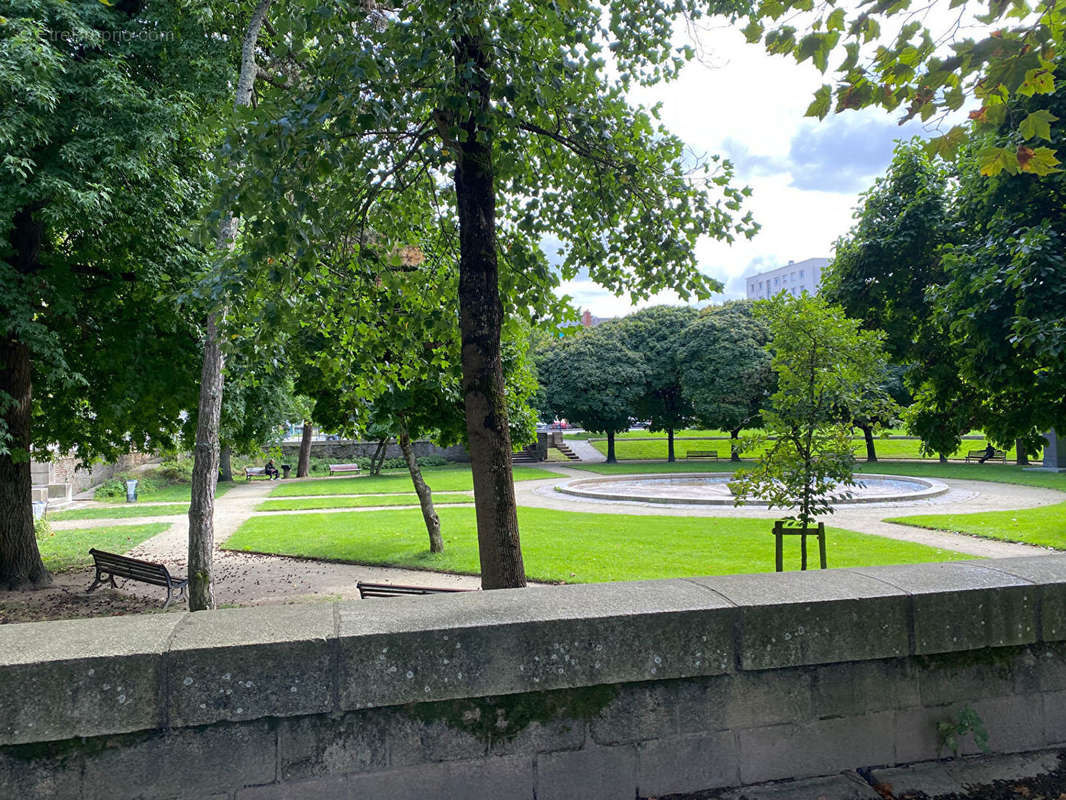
x: 66, y: 598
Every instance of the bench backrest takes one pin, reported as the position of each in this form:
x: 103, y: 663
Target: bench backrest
x: 399, y: 590
x: 255, y: 470
x: 133, y: 568
x: 344, y: 466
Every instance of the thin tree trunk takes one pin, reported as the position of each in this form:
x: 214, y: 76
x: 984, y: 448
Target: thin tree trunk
x: 20, y: 560
x: 942, y: 458
x: 225, y: 464
x: 378, y: 458
x: 480, y: 322
x: 868, y: 435
x: 670, y: 445
x: 734, y: 445
x: 205, y: 464
x: 425, y: 495
x: 303, y: 465
x: 205, y: 472
x: 1022, y: 456
x: 610, y: 448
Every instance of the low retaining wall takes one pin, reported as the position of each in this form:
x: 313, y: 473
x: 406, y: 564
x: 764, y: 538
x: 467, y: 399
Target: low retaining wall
x: 345, y: 450
x: 594, y: 691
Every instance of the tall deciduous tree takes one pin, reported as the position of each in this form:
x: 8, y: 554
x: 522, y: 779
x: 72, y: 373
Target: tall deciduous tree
x: 593, y: 379
x: 501, y: 123
x: 825, y: 365
x: 107, y: 116
x: 725, y: 368
x: 656, y: 333
x: 206, y: 446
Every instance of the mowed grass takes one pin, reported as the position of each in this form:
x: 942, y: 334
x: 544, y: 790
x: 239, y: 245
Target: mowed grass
x: 626, y: 449
x: 1044, y: 526
x: 362, y: 501
x: 64, y: 550
x: 564, y: 547
x: 443, y: 479
x: 998, y: 473
x: 120, y: 512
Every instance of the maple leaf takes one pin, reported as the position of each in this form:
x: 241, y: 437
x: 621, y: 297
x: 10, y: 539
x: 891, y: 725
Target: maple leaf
x: 980, y: 114
x: 1025, y: 155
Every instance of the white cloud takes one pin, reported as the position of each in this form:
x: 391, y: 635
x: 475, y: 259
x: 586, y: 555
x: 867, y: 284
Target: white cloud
x: 806, y: 175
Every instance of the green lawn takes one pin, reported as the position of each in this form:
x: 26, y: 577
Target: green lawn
x: 121, y: 512
x: 1044, y: 526
x: 63, y: 550
x: 642, y: 448
x: 561, y: 546
x: 178, y: 492
x: 440, y: 479
x: 439, y: 498
x: 999, y: 473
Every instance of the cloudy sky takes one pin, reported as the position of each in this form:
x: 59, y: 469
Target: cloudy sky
x: 806, y: 175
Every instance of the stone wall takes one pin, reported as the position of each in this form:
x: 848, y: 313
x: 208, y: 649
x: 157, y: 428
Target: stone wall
x: 346, y: 450
x: 594, y: 691
x: 65, y: 470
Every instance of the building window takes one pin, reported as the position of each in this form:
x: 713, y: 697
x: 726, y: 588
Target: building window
x: 801, y: 274
x: 777, y: 281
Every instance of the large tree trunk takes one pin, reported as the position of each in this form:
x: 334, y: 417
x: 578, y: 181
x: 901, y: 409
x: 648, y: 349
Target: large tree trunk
x: 303, y: 465
x: 205, y: 472
x: 225, y: 464
x: 868, y: 435
x: 205, y: 464
x: 20, y: 561
x: 942, y: 458
x: 670, y: 445
x: 425, y: 495
x: 480, y: 322
x: 610, y: 448
x: 1022, y: 456
x: 734, y: 445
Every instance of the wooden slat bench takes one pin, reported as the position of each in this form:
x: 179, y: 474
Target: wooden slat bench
x: 251, y: 472
x: 398, y: 590
x: 977, y: 455
x: 114, y: 566
x: 702, y: 454
x: 334, y: 469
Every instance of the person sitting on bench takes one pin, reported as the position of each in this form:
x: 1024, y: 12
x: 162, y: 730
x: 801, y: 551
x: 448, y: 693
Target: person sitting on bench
x: 271, y: 471
x: 990, y: 452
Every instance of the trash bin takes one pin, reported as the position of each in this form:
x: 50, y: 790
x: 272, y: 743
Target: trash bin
x: 285, y: 468
x: 39, y: 507
x: 131, y: 491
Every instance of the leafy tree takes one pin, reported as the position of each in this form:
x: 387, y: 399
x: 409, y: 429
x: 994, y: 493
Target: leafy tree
x: 725, y: 368
x: 490, y: 125
x: 107, y: 115
x: 881, y: 407
x: 825, y: 364
x: 1003, y: 301
x: 655, y: 333
x: 930, y: 73
x: 591, y: 378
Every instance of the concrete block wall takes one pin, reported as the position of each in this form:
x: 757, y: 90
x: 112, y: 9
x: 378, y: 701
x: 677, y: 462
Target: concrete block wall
x: 594, y: 691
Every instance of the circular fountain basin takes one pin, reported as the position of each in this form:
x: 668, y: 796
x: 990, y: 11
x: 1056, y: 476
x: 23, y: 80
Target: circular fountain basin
x: 702, y: 488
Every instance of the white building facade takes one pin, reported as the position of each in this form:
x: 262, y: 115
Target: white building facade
x: 795, y: 278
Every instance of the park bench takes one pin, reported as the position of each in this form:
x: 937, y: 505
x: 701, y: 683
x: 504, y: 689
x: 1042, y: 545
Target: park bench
x: 251, y: 472
x: 977, y: 455
x: 116, y: 566
x: 334, y: 469
x: 398, y: 590
x: 702, y: 454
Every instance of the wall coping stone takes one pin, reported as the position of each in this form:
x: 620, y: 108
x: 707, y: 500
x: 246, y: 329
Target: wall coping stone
x: 63, y: 679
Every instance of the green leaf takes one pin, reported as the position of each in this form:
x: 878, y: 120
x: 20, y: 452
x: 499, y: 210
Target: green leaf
x: 1037, y: 125
x: 835, y: 21
x: 1042, y: 162
x: 753, y: 32
x: 1037, y: 81
x: 820, y: 105
x: 993, y: 160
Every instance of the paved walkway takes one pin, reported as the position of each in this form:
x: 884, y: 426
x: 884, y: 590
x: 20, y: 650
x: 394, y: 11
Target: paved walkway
x: 585, y: 451
x: 242, y: 578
